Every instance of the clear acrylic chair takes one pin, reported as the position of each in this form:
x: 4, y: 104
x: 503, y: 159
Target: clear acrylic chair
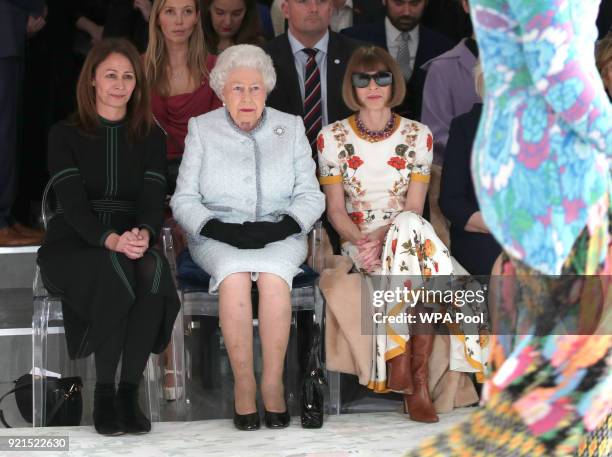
x: 197, y: 303
x: 47, y: 318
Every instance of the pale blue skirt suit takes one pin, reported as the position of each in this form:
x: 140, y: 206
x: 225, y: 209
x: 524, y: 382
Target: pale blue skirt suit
x: 237, y: 176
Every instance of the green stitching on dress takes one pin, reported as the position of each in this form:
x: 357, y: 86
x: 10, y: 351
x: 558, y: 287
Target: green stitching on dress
x: 112, y: 163
x: 152, y: 173
x: 156, y: 181
x: 119, y: 270
x: 157, y: 276
x: 107, y: 191
x: 116, y: 160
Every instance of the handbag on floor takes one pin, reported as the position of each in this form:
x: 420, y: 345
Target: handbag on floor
x: 312, y: 395
x: 64, y: 402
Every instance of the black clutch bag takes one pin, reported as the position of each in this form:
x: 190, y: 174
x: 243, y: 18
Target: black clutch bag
x: 64, y: 402
x: 312, y: 395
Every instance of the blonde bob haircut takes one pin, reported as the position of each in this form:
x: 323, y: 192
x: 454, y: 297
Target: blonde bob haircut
x: 372, y: 58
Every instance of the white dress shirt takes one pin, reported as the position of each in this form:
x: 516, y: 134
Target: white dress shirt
x: 342, y: 18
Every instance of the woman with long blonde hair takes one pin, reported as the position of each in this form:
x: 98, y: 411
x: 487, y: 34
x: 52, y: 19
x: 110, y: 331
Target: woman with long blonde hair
x: 177, y: 67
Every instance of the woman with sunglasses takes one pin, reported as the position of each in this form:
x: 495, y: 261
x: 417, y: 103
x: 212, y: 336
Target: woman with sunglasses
x: 374, y: 168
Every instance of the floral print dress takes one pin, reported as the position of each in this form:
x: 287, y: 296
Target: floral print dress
x: 375, y: 176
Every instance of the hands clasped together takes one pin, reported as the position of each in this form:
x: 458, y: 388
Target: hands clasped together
x: 370, y: 248
x: 133, y: 244
x: 250, y: 235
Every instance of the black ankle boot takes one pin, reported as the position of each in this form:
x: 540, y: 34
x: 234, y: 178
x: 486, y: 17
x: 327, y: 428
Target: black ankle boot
x: 129, y: 411
x: 106, y: 420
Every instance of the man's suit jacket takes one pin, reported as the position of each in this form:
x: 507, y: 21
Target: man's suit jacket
x: 287, y: 97
x: 431, y: 44
x: 13, y: 19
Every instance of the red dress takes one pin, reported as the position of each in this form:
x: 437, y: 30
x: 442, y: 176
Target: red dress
x: 173, y: 112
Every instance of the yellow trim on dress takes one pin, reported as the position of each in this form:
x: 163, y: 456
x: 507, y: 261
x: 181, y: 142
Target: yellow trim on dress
x: 418, y: 177
x: 379, y: 387
x: 335, y: 179
x: 456, y: 331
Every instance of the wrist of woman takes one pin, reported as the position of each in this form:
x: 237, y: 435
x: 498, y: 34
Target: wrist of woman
x: 111, y: 242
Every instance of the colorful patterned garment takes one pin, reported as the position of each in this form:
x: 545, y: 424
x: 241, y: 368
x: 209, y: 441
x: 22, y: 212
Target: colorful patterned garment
x: 551, y: 392
x: 541, y: 167
x: 541, y: 156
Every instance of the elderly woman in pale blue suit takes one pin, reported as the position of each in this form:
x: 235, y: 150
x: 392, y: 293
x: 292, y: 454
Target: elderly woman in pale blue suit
x: 247, y: 195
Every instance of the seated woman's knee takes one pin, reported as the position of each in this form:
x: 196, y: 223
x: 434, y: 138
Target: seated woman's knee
x: 408, y: 219
x: 147, y: 269
x: 270, y: 284
x: 236, y: 282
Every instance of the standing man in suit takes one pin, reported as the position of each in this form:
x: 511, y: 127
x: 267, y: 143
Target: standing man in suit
x: 409, y: 42
x: 345, y: 13
x: 17, y: 17
x: 310, y: 61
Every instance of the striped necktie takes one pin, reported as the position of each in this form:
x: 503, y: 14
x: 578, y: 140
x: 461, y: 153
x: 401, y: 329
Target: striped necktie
x: 313, y: 121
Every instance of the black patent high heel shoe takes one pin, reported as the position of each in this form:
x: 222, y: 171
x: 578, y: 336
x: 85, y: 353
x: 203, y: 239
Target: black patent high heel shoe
x: 277, y: 420
x: 247, y: 422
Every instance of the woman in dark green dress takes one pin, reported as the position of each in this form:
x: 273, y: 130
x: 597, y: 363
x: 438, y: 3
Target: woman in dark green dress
x: 108, y: 166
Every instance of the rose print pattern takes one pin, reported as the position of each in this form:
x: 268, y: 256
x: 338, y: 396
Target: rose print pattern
x: 375, y: 176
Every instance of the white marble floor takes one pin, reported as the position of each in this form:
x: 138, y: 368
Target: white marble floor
x: 350, y: 435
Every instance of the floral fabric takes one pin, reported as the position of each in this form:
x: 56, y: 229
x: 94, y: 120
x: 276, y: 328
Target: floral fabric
x: 375, y: 177
x: 542, y: 153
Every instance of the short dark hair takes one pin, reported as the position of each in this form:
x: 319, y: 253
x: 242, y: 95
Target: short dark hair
x: 139, y: 105
x: 372, y: 58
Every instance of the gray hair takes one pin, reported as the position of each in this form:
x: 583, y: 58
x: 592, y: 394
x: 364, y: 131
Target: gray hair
x: 479, y: 79
x: 242, y: 56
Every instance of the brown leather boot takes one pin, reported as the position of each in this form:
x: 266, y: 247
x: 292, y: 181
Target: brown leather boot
x: 419, y: 405
x: 399, y: 372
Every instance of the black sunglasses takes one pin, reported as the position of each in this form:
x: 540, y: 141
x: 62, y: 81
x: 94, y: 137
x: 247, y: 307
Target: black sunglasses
x: 381, y: 78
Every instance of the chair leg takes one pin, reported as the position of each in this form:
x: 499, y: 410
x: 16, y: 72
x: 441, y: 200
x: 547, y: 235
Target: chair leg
x: 40, y: 327
x: 292, y: 369
x: 211, y: 352
x: 176, y: 367
x: 152, y: 389
x: 335, y: 393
